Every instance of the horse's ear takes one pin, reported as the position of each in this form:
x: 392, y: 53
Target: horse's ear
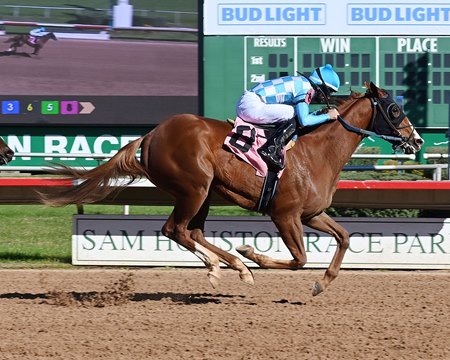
x: 374, y: 89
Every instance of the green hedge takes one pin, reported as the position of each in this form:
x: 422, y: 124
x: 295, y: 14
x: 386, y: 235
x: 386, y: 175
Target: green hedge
x: 411, y: 175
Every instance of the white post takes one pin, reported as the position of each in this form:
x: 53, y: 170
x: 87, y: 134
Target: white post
x: 122, y: 14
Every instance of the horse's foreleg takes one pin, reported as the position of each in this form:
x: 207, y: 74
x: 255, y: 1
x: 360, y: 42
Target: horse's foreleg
x: 291, y: 230
x: 323, y: 222
x: 36, y: 49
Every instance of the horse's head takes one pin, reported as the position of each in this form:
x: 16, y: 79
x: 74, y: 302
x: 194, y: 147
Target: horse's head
x: 389, y: 119
x: 6, y: 154
x: 52, y: 36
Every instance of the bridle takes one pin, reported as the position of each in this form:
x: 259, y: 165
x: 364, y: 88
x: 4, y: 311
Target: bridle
x: 386, y: 118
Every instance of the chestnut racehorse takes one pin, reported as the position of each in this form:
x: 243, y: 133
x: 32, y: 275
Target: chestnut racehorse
x: 184, y: 155
x: 25, y: 39
x: 6, y: 154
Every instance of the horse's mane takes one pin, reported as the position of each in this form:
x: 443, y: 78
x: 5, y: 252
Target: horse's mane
x: 341, y: 100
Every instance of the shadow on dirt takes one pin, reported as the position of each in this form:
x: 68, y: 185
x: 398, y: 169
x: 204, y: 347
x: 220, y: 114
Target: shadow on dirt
x: 15, y: 53
x: 122, y: 291
x: 105, y: 298
x: 119, y: 297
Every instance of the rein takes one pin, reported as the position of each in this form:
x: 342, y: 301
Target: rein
x: 365, y: 133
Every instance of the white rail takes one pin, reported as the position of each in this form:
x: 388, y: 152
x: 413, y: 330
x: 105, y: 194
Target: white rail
x: 107, y: 156
x: 385, y: 156
x: 437, y: 168
x: 429, y: 156
x: 93, y: 32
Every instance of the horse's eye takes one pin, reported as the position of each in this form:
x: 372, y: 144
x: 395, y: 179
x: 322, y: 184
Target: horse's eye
x: 394, y: 111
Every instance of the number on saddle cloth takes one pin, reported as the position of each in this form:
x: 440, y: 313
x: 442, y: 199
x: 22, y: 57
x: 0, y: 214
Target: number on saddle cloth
x: 243, y: 137
x: 244, y: 141
x: 32, y: 39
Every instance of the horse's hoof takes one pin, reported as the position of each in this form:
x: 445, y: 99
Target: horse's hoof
x: 247, y: 277
x: 213, y: 280
x: 316, y: 289
x: 245, y: 250
x: 214, y: 275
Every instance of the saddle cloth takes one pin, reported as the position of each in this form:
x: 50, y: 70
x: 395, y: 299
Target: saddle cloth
x: 244, y: 140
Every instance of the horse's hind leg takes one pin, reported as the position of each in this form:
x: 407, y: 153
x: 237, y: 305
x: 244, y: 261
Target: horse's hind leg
x: 197, y: 226
x: 323, y: 222
x: 12, y: 47
x: 176, y: 228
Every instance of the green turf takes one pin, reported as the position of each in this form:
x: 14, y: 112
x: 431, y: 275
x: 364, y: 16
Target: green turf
x: 34, y: 235
x: 97, y: 12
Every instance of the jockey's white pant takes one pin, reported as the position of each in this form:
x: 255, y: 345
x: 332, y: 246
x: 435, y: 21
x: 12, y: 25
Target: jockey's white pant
x: 251, y: 109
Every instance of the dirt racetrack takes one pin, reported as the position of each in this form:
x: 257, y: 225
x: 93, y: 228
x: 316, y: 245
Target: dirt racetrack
x: 97, y: 67
x: 174, y: 314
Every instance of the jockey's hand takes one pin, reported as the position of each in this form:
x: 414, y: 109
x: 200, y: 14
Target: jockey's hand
x: 333, y: 113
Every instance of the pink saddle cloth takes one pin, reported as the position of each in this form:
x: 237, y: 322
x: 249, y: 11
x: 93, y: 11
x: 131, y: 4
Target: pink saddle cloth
x: 244, y: 140
x: 32, y: 39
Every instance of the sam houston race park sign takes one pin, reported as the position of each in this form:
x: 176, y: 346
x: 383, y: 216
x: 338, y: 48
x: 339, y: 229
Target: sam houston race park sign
x: 389, y: 243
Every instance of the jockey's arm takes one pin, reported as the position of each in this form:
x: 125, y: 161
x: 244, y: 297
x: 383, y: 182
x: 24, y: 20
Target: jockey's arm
x: 305, y: 118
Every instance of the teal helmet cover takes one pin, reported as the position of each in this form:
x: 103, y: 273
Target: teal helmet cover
x: 329, y: 76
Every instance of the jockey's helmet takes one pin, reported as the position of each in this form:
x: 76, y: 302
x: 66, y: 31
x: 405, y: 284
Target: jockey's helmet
x: 328, y: 75
x: 42, y: 29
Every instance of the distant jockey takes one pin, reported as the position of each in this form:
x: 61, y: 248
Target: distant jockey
x: 35, y: 34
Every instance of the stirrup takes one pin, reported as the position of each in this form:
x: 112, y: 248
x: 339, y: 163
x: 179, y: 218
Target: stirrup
x: 270, y: 161
x: 275, y: 165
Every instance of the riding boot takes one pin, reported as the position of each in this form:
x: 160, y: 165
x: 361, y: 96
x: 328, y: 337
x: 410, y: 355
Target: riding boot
x: 272, y: 150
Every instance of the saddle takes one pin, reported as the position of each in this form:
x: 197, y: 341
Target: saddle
x: 244, y: 140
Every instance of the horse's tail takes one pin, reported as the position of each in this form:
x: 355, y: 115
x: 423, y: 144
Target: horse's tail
x: 97, y: 183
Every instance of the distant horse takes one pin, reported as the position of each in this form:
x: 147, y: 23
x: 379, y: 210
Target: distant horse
x: 37, y: 44
x: 184, y: 155
x: 6, y: 154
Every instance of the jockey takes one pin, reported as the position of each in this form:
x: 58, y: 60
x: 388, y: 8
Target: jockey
x: 279, y: 100
x: 38, y: 32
